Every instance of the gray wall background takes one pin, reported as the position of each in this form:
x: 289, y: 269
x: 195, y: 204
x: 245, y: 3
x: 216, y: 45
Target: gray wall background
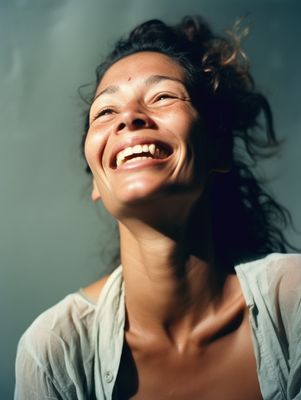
x: 50, y: 232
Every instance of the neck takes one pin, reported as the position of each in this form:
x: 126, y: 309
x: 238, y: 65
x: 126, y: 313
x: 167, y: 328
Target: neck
x: 169, y: 285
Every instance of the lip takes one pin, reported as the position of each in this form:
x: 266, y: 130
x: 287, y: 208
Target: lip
x: 138, y: 140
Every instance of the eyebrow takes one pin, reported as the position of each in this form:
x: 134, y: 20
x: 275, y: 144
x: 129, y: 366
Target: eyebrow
x: 151, y: 80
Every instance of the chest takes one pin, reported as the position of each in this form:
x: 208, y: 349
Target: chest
x: 223, y: 369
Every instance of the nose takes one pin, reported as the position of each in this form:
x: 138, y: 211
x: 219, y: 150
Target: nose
x: 134, y: 119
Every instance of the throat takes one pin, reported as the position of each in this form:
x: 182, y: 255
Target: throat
x: 181, y: 319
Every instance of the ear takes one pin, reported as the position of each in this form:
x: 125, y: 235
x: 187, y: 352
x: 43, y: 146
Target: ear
x: 95, y: 192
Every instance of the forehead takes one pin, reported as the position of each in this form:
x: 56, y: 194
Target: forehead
x: 140, y: 66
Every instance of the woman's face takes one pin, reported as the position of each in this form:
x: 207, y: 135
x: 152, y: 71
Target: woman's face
x: 143, y: 133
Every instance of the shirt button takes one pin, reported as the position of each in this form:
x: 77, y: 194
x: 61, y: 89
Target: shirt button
x: 108, y: 376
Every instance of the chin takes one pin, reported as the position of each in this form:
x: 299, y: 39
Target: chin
x: 140, y: 201
x: 135, y: 189
x: 139, y: 196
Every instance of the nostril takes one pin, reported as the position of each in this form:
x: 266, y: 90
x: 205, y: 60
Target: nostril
x: 121, y: 126
x: 138, y: 122
x: 133, y: 122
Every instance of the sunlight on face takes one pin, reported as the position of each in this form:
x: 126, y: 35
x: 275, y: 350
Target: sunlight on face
x: 143, y: 129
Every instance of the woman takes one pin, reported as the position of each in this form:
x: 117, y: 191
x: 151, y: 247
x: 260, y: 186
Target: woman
x: 199, y: 308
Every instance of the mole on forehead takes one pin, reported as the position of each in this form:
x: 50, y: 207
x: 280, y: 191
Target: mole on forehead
x: 129, y: 78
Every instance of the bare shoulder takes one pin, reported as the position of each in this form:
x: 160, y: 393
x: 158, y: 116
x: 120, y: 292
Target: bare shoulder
x: 92, y: 292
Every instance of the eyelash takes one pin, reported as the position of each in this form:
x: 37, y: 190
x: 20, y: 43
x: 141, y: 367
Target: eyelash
x: 103, y: 112
x: 164, y: 96
x: 161, y: 96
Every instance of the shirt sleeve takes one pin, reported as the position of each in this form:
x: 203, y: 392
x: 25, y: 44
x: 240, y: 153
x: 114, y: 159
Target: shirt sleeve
x: 294, y: 382
x: 284, y: 283
x: 290, y: 307
x: 54, y: 356
x: 32, y: 380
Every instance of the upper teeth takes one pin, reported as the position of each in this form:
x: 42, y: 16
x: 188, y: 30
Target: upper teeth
x: 137, y: 149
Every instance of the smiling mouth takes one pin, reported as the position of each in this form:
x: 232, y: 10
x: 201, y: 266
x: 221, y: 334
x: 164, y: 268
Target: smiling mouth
x: 141, y: 152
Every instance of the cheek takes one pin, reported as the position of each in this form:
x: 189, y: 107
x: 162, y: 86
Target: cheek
x: 94, y: 148
x: 184, y: 121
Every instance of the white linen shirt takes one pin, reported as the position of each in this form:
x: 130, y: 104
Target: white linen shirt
x: 73, y: 350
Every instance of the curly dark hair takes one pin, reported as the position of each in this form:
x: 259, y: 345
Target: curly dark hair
x: 248, y: 223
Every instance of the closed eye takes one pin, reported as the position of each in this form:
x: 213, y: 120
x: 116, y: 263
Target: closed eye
x: 164, y: 96
x: 103, y: 113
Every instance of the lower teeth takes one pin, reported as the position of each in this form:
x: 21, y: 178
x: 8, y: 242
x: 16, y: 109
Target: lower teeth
x: 137, y: 158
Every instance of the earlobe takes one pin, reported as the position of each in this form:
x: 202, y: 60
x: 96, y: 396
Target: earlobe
x: 95, y: 193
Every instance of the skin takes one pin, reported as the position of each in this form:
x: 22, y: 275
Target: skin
x: 187, y: 331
